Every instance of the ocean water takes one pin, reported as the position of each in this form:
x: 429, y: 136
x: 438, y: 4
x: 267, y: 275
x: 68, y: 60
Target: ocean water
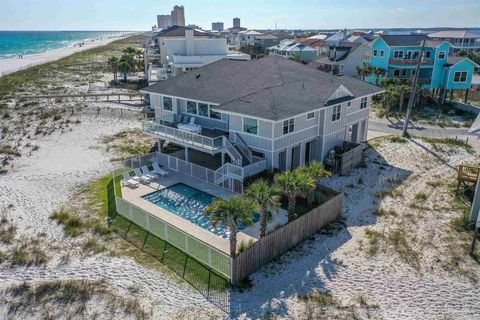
x: 13, y: 43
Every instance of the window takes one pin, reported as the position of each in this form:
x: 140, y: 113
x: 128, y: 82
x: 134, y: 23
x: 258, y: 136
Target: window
x: 310, y: 115
x: 363, y: 103
x: 250, y: 125
x: 441, y: 55
x: 191, y: 107
x: 349, y: 104
x: 167, y: 104
x: 398, y: 54
x: 288, y: 126
x: 382, y: 53
x: 215, y: 114
x: 428, y: 54
x: 375, y: 53
x: 336, y: 112
x: 460, y: 76
x: 396, y: 73
x: 203, y: 109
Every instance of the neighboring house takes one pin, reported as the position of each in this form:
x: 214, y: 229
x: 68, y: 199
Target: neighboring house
x: 181, y: 49
x: 398, y: 55
x: 265, y: 41
x: 246, y: 37
x: 272, y: 112
x: 318, y: 44
x: 232, y: 34
x: 461, y: 40
x: 342, y: 59
x: 289, y: 49
x: 335, y: 39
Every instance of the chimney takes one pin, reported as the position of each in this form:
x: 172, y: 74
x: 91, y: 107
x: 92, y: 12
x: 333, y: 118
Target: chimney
x: 189, y: 42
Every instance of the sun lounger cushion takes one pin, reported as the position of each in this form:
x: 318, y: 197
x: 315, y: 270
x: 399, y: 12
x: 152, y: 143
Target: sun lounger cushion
x: 158, y: 170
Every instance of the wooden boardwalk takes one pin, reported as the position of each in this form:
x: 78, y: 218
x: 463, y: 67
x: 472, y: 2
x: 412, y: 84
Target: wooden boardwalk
x: 92, y: 97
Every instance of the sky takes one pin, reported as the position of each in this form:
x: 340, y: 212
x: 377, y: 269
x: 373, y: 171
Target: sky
x: 254, y: 14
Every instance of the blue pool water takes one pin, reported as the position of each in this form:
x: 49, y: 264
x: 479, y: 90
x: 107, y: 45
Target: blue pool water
x: 189, y: 203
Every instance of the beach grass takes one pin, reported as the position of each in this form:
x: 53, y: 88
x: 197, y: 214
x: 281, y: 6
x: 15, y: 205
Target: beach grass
x: 13, y: 84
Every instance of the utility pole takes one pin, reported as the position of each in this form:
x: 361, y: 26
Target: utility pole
x: 411, y: 101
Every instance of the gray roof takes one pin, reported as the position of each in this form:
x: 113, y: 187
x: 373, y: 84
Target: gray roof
x: 404, y: 40
x: 270, y: 88
x: 455, y: 34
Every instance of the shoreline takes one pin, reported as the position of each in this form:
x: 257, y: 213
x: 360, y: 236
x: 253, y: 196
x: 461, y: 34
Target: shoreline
x: 11, y: 65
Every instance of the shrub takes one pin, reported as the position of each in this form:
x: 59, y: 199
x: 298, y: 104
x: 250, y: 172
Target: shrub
x: 72, y: 225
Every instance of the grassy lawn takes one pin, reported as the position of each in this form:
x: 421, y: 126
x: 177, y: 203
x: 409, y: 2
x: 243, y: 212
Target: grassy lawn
x: 193, y: 271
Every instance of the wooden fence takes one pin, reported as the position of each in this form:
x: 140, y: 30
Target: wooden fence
x: 289, y: 235
x: 349, y: 159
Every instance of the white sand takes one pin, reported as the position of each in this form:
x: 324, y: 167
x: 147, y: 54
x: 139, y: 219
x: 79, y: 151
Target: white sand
x: 42, y: 182
x: 14, y: 64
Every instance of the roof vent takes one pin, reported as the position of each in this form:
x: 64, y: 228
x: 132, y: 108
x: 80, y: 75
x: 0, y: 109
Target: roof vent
x: 197, y: 76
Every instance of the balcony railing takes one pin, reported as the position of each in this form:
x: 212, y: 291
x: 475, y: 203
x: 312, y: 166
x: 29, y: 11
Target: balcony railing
x: 409, y: 62
x: 420, y: 80
x: 173, y: 134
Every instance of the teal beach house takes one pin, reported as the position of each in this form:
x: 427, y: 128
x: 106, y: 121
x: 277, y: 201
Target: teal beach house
x: 396, y: 57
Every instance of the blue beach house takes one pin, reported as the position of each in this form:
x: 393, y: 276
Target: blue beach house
x: 440, y: 71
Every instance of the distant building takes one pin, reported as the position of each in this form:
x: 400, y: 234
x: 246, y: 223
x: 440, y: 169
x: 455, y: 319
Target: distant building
x: 180, y: 49
x: 164, y: 21
x: 440, y: 70
x: 178, y: 16
x: 343, y: 59
x: 236, y: 23
x: 265, y: 41
x: 290, y: 49
x: 218, y: 26
x: 461, y: 40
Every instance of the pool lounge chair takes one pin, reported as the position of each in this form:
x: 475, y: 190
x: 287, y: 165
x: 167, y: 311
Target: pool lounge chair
x: 143, y: 178
x: 148, y: 173
x: 129, y: 181
x: 158, y: 170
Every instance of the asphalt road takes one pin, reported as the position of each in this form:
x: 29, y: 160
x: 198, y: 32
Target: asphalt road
x: 387, y: 127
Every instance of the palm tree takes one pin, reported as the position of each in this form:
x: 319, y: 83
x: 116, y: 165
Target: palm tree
x: 113, y: 61
x: 294, y: 184
x: 267, y: 199
x: 402, y: 91
x: 129, y: 51
x: 296, y: 58
x: 389, y: 97
x: 359, y: 71
x: 232, y: 212
x: 317, y: 171
x: 378, y: 72
x: 124, y: 67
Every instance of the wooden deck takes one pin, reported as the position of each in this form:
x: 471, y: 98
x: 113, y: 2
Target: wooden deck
x: 467, y: 174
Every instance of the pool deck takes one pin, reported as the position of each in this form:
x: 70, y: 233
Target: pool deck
x: 134, y: 196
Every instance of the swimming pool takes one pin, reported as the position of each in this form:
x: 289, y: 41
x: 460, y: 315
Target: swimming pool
x: 190, y: 203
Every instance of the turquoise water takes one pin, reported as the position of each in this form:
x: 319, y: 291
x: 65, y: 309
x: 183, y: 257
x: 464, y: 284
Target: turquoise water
x: 189, y: 203
x: 13, y: 43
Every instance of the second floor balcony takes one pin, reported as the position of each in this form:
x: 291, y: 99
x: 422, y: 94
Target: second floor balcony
x: 409, y: 62
x: 182, y: 129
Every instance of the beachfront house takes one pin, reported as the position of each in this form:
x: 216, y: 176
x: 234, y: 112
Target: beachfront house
x: 461, y: 40
x: 397, y: 56
x: 290, y: 49
x: 343, y: 59
x: 262, y: 114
